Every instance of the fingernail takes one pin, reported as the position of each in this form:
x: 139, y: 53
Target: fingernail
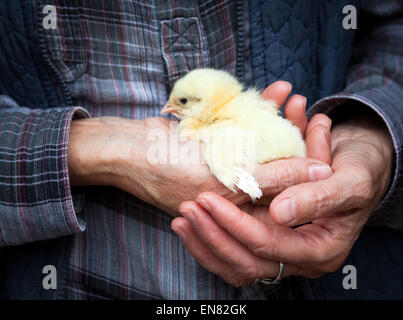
x: 303, y: 98
x: 188, y: 214
x: 288, y: 84
x: 179, y: 232
x: 287, y: 211
x: 204, y: 203
x: 319, y: 172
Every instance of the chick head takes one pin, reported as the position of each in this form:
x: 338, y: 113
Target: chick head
x: 200, y: 94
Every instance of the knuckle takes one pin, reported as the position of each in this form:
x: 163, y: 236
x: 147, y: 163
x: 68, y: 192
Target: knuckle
x: 322, y: 199
x: 279, y: 177
x: 285, y: 176
x: 238, y: 282
x: 363, y: 190
x: 210, y: 239
x: 321, y: 118
x: 248, y: 273
x: 262, y: 250
x: 266, y: 248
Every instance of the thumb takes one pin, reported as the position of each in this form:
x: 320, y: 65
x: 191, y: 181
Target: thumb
x: 343, y: 191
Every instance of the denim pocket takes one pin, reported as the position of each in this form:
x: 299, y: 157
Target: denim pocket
x: 184, y: 46
x: 66, y: 44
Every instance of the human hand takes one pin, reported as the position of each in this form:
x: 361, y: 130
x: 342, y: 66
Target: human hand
x: 114, y: 151
x: 240, y: 247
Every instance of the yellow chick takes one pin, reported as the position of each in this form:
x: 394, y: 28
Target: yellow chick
x: 239, y: 129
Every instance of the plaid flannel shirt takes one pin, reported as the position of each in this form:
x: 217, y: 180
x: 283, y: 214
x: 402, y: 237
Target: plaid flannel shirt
x: 109, y: 54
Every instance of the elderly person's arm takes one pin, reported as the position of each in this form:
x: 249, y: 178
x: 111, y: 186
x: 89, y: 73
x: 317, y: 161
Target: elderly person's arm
x: 45, y: 152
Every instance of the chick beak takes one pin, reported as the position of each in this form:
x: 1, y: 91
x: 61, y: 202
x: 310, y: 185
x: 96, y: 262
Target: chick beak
x: 168, y: 109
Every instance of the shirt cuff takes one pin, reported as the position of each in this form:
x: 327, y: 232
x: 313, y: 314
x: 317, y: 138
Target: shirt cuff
x: 38, y: 204
x: 77, y: 195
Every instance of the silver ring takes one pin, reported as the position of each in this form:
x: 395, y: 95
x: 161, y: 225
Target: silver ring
x: 271, y: 281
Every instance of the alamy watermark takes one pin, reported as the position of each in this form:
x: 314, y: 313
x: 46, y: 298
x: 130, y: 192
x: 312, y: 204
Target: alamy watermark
x: 228, y: 145
x: 350, y: 280
x: 350, y: 20
x: 50, y: 20
x: 49, y: 281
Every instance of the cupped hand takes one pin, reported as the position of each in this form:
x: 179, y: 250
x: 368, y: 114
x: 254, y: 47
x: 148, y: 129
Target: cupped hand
x: 168, y: 183
x: 310, y: 227
x: 146, y: 158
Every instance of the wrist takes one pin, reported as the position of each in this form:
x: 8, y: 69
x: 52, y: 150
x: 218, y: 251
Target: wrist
x: 90, y: 159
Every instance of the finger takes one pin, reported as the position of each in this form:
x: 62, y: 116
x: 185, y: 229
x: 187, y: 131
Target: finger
x: 278, y: 92
x: 274, y: 242
x: 294, y: 110
x: 210, y: 261
x: 259, y: 212
x: 318, y: 144
x: 318, y: 119
x: 276, y: 176
x: 224, y: 245
x: 201, y: 252
x: 341, y: 192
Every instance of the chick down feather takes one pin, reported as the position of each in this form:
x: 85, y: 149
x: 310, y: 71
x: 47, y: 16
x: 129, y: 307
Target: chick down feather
x: 239, y: 129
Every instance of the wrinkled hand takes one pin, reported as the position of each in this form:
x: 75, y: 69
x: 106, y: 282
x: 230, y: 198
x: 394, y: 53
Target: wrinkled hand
x: 116, y: 152
x: 241, y: 247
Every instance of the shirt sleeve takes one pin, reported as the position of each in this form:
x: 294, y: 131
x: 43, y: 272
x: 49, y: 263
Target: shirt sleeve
x: 375, y: 81
x: 36, y: 201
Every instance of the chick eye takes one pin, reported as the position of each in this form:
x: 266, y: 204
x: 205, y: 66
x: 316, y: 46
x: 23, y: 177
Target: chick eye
x: 183, y: 100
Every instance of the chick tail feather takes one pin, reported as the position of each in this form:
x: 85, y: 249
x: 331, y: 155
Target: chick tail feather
x: 247, y: 183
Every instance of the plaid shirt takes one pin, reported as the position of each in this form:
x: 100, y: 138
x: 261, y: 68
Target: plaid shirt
x: 109, y: 53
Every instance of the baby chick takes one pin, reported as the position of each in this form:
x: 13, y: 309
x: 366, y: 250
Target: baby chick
x: 238, y: 128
